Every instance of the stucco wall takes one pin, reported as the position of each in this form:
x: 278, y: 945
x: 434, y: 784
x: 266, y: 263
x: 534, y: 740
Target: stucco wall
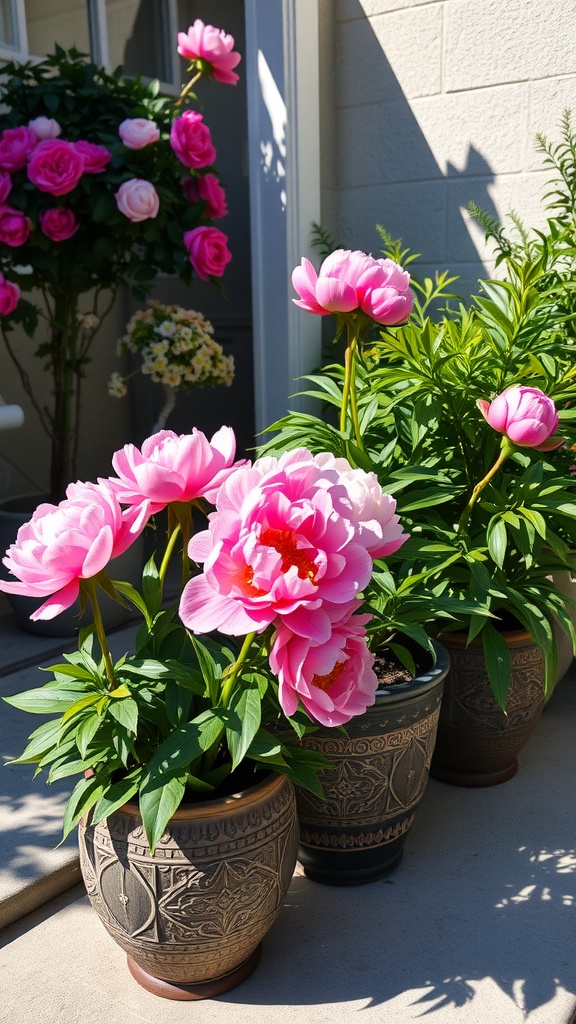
x: 432, y: 103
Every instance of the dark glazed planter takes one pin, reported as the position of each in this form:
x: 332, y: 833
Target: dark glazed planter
x: 192, y: 917
x: 477, y: 744
x: 357, y: 833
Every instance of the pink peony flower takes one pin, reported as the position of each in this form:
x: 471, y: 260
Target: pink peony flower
x: 526, y: 415
x: 45, y: 128
x: 334, y: 680
x: 96, y: 158
x: 138, y: 132
x: 58, y: 223
x: 277, y: 550
x: 207, y: 189
x: 208, y: 251
x: 137, y: 200
x: 9, y: 296
x: 66, y: 543
x: 16, y: 145
x: 212, y: 47
x: 55, y: 166
x: 191, y: 140
x: 14, y: 227
x: 5, y: 186
x: 172, y: 467
x: 355, y: 282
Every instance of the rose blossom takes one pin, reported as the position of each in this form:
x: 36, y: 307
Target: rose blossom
x: 207, y: 189
x: 334, y: 680
x: 354, y: 282
x: 208, y: 251
x: 66, y: 543
x: 96, y: 158
x: 9, y: 296
x: 211, y: 46
x: 172, y: 467
x: 55, y: 167
x: 191, y: 140
x: 138, y: 132
x: 14, y: 226
x: 58, y: 223
x: 278, y: 549
x: 45, y: 128
x: 5, y: 186
x: 16, y: 145
x: 525, y: 415
x: 138, y: 200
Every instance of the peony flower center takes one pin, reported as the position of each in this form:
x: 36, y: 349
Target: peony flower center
x: 284, y: 542
x: 248, y: 580
x: 325, y: 682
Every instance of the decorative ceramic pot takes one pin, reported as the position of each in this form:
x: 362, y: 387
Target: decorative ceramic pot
x: 477, y: 744
x: 357, y: 833
x: 192, y: 917
x: 566, y: 586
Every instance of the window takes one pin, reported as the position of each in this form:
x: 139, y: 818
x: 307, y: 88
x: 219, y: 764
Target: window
x: 138, y: 34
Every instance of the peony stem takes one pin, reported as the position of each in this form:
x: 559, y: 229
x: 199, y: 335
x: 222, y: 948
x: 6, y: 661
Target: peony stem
x: 168, y: 552
x: 188, y: 87
x: 90, y: 588
x: 506, y: 450
x: 235, y: 668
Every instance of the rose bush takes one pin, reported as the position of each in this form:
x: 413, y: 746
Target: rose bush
x: 96, y: 191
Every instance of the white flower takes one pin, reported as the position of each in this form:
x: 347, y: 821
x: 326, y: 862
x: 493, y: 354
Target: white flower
x: 167, y: 329
x: 117, y: 386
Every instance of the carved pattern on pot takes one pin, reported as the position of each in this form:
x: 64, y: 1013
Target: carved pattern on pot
x: 200, y: 906
x: 360, y: 840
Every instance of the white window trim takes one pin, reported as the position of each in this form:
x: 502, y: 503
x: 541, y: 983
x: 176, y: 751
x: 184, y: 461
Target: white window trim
x: 283, y: 139
x: 20, y: 51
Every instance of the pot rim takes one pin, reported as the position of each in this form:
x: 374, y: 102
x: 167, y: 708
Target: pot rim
x: 512, y: 637
x: 213, y: 808
x: 425, y: 680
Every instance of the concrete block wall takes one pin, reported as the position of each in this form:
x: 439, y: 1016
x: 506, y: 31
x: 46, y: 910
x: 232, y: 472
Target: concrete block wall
x: 429, y: 104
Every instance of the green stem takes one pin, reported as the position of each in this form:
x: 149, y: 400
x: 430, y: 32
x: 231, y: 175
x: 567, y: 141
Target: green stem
x: 349, y: 396
x: 506, y: 450
x: 90, y: 588
x: 187, y: 88
x: 168, y: 553
x: 235, y: 668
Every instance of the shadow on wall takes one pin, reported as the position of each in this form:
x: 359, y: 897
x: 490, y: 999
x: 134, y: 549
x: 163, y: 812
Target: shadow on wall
x: 385, y: 170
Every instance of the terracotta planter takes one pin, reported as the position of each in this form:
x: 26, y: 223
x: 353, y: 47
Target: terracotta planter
x: 477, y: 744
x: 357, y: 833
x: 192, y: 917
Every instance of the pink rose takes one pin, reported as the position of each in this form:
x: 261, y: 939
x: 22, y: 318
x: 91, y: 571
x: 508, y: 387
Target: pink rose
x: 67, y: 543
x: 350, y: 282
x: 96, y: 158
x: 55, y: 167
x: 525, y: 415
x: 137, y: 200
x: 334, y: 680
x: 58, y: 223
x: 191, y: 140
x: 5, y: 186
x: 9, y: 296
x: 14, y: 227
x: 45, y: 128
x: 213, y: 47
x: 208, y: 251
x: 278, y: 550
x: 138, y: 132
x: 172, y: 467
x: 208, y: 190
x: 16, y: 145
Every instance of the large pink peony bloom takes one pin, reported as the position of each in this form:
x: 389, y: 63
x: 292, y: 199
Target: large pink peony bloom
x: 191, y: 140
x: 334, y: 680
x: 138, y: 132
x: 173, y: 467
x: 208, y: 251
x: 58, y: 223
x: 16, y: 145
x: 55, y: 166
x: 137, y: 200
x: 212, y: 46
x: 66, y: 543
x: 526, y: 415
x: 9, y: 296
x: 353, y: 281
x: 45, y: 128
x: 284, y: 545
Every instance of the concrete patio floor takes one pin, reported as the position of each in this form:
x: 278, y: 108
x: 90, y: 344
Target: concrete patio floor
x: 476, y: 926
